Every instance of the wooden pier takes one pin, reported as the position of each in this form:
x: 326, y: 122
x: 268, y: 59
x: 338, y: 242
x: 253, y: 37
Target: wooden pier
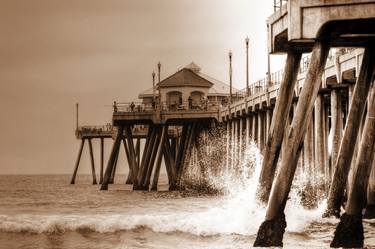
x: 315, y: 115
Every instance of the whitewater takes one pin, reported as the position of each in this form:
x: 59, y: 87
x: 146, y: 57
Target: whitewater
x: 43, y: 211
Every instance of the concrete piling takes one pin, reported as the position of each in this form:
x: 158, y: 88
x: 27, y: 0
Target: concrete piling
x: 278, y: 122
x: 272, y: 230
x: 349, y: 231
x: 350, y: 135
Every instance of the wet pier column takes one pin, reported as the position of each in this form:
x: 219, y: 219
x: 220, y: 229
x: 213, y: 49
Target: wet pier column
x: 247, y: 133
x: 356, y: 110
x: 101, y: 160
x: 268, y: 122
x: 159, y: 156
x: 272, y: 230
x: 112, y: 158
x: 254, y: 127
x: 132, y: 153
x: 142, y: 173
x: 336, y: 119
x: 92, y: 163
x: 260, y: 131
x: 240, y: 145
x: 278, y: 123
x: 370, y: 204
x: 73, y: 180
x: 349, y: 231
x: 319, y: 138
x: 129, y: 178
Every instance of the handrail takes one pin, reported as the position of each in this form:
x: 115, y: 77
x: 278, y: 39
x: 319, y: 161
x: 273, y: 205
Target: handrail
x: 276, y: 77
x: 170, y: 106
x: 277, y: 4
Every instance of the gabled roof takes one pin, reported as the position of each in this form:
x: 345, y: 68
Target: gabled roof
x: 188, y: 76
x: 219, y: 88
x: 191, y: 75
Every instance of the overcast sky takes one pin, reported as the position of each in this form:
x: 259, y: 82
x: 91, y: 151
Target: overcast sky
x: 54, y: 53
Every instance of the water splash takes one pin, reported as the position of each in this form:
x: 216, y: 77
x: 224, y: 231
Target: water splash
x: 236, y: 176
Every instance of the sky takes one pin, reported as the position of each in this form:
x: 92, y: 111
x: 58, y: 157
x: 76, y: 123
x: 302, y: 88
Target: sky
x: 55, y: 53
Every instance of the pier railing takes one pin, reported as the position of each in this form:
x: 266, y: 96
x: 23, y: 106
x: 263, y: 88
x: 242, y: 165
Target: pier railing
x: 94, y: 130
x: 170, y: 106
x: 276, y: 77
x: 277, y: 4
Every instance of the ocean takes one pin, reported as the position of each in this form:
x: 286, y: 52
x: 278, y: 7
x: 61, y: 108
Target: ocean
x: 45, y: 211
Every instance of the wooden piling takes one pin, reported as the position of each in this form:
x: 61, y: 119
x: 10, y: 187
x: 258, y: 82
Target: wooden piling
x: 349, y: 231
x: 272, y: 230
x: 73, y: 180
x: 278, y: 123
x: 112, y: 158
x: 344, y: 158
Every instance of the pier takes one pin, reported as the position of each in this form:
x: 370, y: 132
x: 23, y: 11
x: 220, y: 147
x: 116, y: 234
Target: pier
x: 315, y: 115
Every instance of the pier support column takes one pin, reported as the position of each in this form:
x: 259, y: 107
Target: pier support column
x: 132, y: 152
x: 370, y: 204
x: 112, y: 158
x: 319, y: 139
x: 92, y: 163
x: 260, y: 131
x: 278, y: 124
x: 272, y: 230
x: 254, y: 127
x: 336, y: 119
x: 101, y: 160
x: 349, y: 231
x: 356, y: 109
x: 130, y: 177
x: 247, y: 133
x: 113, y: 174
x: 147, y: 153
x: 240, y: 145
x: 268, y: 122
x: 73, y: 180
x: 159, y: 156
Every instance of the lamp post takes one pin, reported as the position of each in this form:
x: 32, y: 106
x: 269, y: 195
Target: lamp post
x: 230, y: 77
x: 247, y: 65
x: 153, y: 86
x: 77, y: 116
x: 159, y: 67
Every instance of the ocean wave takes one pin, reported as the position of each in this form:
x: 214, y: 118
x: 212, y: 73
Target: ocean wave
x: 232, y: 217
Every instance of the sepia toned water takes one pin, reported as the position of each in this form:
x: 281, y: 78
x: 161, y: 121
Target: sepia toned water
x: 45, y: 211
